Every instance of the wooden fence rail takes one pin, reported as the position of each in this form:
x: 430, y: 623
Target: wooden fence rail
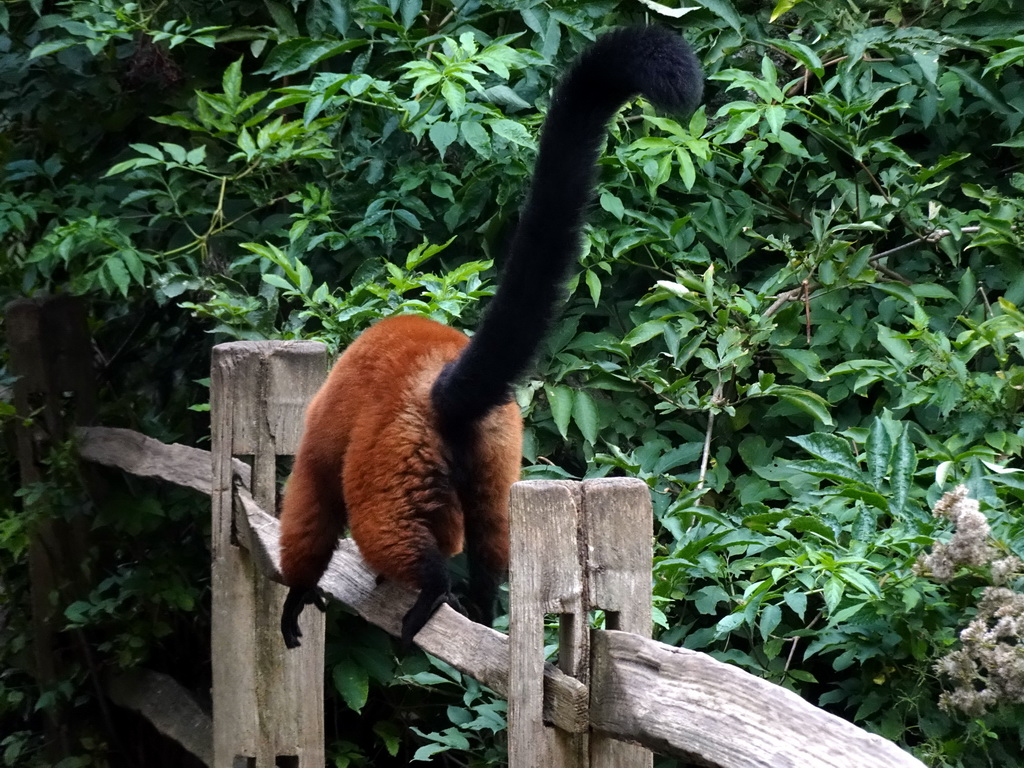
x: 623, y: 686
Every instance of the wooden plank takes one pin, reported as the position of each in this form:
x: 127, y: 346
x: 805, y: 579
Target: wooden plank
x: 686, y: 704
x: 167, y: 705
x: 545, y: 576
x: 267, y: 700
x: 145, y: 456
x: 620, y: 531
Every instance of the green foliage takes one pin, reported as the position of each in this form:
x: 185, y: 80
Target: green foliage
x: 795, y: 317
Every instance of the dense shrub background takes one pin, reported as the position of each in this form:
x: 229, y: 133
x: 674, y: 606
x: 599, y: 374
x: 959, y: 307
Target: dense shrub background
x: 818, y: 272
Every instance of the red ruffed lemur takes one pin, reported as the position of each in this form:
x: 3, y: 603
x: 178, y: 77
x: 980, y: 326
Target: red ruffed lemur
x: 414, y: 440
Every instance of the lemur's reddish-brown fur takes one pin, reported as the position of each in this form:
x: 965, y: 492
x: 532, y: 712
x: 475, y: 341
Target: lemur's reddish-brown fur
x: 373, y: 423
x: 414, y: 440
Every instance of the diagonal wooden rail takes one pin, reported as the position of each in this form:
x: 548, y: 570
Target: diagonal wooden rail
x: 674, y: 701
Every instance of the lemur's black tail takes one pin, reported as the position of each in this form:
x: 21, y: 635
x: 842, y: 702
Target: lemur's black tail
x: 651, y: 61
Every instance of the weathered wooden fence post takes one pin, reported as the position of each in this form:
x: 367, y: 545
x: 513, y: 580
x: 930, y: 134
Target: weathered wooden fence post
x: 576, y: 547
x: 51, y: 354
x: 267, y: 701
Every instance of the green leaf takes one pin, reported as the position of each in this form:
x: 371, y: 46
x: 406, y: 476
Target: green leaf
x: 585, y: 414
x: 802, y: 53
x: 879, y: 450
x: 770, y: 618
x: 118, y: 272
x: 389, y: 733
x: 427, y: 751
x: 687, y: 171
x: 246, y: 144
x: 511, y: 131
x: 613, y: 205
x: 231, y: 82
x: 148, y: 150
x: 896, y: 346
x: 805, y: 361
x: 928, y: 62
x: 594, y: 285
x: 283, y: 17
x: 299, y: 54
x: 729, y: 623
x: 176, y: 152
x: 791, y: 144
x: 352, y: 682
x: 833, y: 593
x: 783, y: 6
x: 45, y: 49
x: 560, y: 399
x: 455, y: 96
x: 809, y: 524
x: 1017, y: 142
x: 130, y: 165
x: 277, y: 281
x: 196, y: 156
x: 829, y: 448
x: 724, y: 10
x: 904, y: 463
x: 476, y: 136
x: 424, y: 251
x: 442, y: 134
x: 865, y: 526
x: 134, y: 264
x: 797, y: 601
x: 78, y: 612
x: 808, y: 402
x: 645, y: 332
x: 706, y: 599
x: 831, y: 470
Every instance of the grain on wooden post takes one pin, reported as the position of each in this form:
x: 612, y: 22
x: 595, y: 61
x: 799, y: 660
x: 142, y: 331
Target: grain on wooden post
x: 619, y: 530
x: 267, y: 700
x: 545, y: 576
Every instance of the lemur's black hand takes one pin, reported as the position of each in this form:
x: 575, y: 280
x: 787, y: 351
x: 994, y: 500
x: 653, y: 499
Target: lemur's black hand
x: 298, y: 598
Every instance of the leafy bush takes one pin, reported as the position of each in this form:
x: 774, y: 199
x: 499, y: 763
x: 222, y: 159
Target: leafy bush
x: 796, y: 314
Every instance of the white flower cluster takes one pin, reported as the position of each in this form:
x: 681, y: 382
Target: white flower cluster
x: 988, y: 668
x: 970, y: 542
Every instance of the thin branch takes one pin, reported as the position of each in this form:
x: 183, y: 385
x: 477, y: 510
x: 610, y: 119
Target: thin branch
x: 807, y: 308
x: 892, y: 274
x: 796, y: 294
x: 984, y: 299
x: 716, y: 399
x: 795, y: 640
x: 932, y: 237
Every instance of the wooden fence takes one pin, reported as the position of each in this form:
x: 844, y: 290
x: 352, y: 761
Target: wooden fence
x: 614, y: 694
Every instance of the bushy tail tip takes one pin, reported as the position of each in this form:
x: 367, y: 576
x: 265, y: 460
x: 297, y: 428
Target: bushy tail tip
x: 653, y: 61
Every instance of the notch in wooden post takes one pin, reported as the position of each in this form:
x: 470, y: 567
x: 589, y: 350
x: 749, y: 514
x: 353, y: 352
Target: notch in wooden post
x: 619, y: 531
